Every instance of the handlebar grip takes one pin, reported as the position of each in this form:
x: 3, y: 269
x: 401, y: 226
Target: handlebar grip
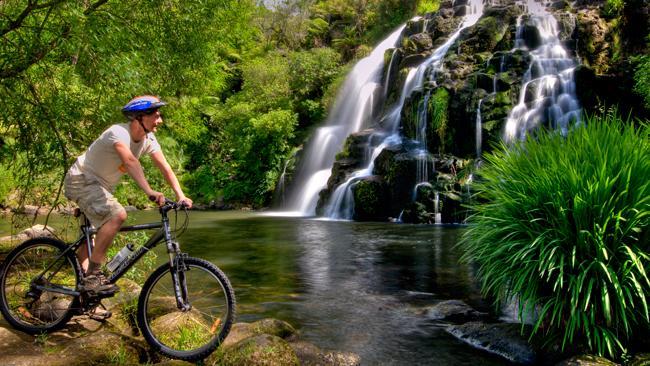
x: 152, y: 198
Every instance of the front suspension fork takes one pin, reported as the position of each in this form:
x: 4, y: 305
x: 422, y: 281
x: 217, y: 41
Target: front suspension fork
x: 178, y: 270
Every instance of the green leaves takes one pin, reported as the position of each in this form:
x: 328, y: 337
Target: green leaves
x: 562, y: 222
x: 66, y: 68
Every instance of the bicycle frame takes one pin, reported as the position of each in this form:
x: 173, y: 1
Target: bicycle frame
x: 176, y: 262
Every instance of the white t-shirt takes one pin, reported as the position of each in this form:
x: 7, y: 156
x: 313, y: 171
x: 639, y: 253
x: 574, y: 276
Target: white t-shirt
x: 101, y: 159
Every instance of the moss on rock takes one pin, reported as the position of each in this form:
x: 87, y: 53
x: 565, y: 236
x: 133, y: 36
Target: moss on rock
x: 264, y: 349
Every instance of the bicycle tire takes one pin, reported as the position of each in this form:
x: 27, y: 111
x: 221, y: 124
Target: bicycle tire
x: 157, y: 305
x: 53, y: 310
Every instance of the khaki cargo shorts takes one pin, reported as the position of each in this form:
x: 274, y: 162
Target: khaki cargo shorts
x: 95, y: 201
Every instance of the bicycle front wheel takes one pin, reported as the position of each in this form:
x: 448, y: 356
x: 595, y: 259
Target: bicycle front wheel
x: 29, y: 271
x: 187, y: 334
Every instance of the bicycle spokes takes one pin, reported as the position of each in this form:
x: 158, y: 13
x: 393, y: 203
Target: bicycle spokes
x: 33, y: 282
x: 187, y: 310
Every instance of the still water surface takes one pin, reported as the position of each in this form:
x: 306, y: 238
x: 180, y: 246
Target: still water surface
x: 346, y: 286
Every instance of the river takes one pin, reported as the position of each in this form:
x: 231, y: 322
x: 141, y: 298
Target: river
x: 346, y: 286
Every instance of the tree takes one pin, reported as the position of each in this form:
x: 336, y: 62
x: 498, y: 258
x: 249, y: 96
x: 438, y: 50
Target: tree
x: 67, y: 66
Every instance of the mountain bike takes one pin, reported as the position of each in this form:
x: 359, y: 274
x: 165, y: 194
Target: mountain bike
x: 185, y: 309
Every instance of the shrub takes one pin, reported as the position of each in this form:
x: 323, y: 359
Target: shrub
x: 562, y: 223
x: 642, y: 79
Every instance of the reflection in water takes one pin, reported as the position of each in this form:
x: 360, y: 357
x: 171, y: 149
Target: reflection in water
x: 359, y: 287
x: 315, y: 259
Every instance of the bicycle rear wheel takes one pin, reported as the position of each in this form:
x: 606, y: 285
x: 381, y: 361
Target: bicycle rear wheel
x: 28, y: 308
x: 192, y: 334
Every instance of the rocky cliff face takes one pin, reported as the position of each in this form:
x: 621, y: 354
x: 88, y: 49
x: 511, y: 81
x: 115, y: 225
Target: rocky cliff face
x: 466, y: 103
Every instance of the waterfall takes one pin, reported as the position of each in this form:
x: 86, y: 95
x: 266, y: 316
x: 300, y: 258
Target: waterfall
x: 353, y: 107
x: 436, y: 209
x: 341, y: 203
x: 548, y: 92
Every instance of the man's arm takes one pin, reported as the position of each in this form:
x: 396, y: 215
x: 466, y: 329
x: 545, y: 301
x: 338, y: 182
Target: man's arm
x: 134, y: 169
x: 159, y: 160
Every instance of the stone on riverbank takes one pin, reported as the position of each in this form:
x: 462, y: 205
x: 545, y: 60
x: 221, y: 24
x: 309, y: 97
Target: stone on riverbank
x: 454, y: 311
x: 586, y: 360
x: 501, y: 339
x: 87, y: 342
x: 32, y: 232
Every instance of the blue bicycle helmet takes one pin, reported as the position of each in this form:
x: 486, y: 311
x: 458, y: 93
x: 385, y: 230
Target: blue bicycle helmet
x: 142, y: 105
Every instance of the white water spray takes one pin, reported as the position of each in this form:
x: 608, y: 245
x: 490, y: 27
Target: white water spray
x: 548, y: 92
x: 353, y: 108
x: 341, y: 203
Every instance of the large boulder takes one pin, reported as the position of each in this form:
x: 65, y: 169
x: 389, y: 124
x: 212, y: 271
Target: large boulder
x: 370, y: 199
x: 262, y: 350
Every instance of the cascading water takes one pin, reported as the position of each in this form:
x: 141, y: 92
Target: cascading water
x: 341, y: 203
x: 548, y: 92
x: 354, y: 106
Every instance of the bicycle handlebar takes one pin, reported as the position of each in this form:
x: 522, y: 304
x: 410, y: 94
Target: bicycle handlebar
x: 169, y: 204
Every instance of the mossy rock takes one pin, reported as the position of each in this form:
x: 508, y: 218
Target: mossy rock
x: 641, y: 359
x: 101, y: 349
x: 398, y: 169
x: 264, y: 349
x: 392, y: 59
x: 182, y: 329
x: 417, y: 213
x: 586, y: 360
x: 161, y: 305
x: 273, y: 327
x: 370, y: 199
x: 438, y: 138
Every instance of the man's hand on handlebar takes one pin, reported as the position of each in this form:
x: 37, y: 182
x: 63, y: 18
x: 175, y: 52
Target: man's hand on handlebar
x: 157, y: 197
x: 185, y: 202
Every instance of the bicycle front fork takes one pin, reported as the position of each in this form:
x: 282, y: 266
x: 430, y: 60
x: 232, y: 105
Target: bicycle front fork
x: 180, y: 283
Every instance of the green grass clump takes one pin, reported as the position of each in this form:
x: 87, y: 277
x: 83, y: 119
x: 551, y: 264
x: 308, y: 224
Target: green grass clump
x: 562, y: 223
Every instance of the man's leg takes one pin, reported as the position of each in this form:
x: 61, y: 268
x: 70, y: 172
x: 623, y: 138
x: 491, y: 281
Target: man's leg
x: 103, y: 240
x: 82, y: 256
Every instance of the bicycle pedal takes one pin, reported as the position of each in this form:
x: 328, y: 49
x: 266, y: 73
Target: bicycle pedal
x: 99, y: 317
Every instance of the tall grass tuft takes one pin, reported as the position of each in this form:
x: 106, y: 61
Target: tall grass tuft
x: 562, y: 223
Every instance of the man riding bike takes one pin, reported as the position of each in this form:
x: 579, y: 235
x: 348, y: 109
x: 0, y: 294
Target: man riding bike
x: 92, y: 179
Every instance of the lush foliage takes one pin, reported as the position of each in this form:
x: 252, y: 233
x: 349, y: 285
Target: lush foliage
x: 642, y: 78
x: 66, y: 67
x: 562, y: 224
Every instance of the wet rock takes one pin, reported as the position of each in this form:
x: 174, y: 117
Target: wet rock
x: 454, y: 311
x: 530, y: 33
x: 593, y: 46
x: 398, y: 169
x: 310, y: 355
x: 500, y: 339
x: 414, y: 27
x: 586, y: 360
x: 414, y: 60
x: 370, y: 199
